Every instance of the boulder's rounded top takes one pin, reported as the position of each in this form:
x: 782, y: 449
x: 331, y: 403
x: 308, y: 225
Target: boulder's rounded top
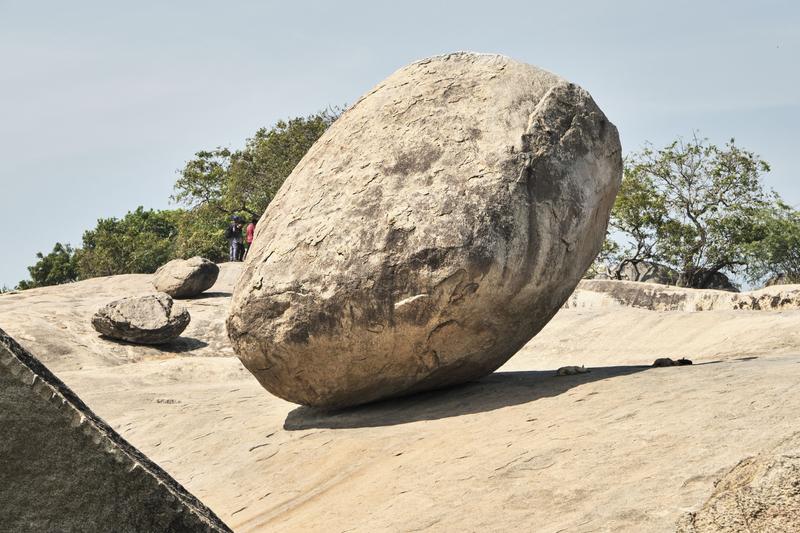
x: 465, y: 55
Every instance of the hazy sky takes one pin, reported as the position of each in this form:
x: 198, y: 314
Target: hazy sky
x: 101, y: 102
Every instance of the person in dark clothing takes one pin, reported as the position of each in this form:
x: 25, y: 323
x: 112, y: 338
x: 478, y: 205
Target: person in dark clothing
x: 234, y: 235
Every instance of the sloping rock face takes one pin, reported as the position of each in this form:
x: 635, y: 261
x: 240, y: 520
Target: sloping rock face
x: 760, y: 495
x: 64, y: 469
x: 150, y: 319
x: 433, y: 230
x: 184, y: 278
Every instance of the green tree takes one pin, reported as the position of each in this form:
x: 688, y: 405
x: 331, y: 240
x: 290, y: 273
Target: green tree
x: 639, y: 214
x: 245, y: 181
x: 691, y: 205
x: 201, y: 231
x: 139, y: 242
x: 59, y: 266
x: 776, y: 253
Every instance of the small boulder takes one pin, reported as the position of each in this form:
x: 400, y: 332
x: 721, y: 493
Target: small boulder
x: 184, y: 278
x: 649, y: 272
x: 151, y: 319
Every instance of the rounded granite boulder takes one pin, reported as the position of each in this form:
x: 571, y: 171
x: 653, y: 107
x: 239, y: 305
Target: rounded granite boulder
x: 150, y: 319
x: 184, y: 278
x: 434, y: 229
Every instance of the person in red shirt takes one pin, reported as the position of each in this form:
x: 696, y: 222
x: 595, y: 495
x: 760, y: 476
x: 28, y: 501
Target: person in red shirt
x: 249, y: 233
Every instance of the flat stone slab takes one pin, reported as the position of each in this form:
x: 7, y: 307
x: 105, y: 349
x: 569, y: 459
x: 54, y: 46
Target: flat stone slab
x: 65, y: 469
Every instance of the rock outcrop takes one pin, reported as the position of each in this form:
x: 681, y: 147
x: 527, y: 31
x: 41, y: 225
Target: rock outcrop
x: 759, y: 495
x: 64, y: 469
x: 604, y: 293
x: 184, y: 278
x: 150, y: 319
x: 649, y: 272
x: 434, y: 229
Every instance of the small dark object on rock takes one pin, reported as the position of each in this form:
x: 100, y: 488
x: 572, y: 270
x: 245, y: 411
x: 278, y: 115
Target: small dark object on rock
x: 572, y: 370
x: 666, y: 361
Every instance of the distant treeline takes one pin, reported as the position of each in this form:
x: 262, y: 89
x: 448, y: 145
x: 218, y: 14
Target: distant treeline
x: 696, y: 209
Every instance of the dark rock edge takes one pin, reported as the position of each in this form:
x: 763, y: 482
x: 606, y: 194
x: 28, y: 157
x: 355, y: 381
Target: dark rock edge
x: 24, y: 366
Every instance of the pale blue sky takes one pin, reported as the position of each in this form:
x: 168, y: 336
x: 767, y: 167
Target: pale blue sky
x: 101, y: 102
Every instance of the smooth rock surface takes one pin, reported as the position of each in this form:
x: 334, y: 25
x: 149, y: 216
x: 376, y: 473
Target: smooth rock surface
x: 150, y: 319
x: 520, y: 450
x: 432, y: 231
x: 184, y: 278
x: 55, y: 322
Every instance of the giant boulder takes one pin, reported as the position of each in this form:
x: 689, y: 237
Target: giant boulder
x: 184, y: 278
x: 433, y: 230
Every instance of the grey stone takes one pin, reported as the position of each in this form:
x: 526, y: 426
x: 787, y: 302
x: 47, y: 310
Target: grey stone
x: 759, y: 495
x: 436, y: 227
x: 184, y: 278
x: 64, y: 469
x: 649, y: 272
x: 717, y: 281
x: 150, y: 319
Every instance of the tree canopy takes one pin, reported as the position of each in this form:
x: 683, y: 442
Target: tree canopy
x: 693, y: 206
x: 139, y: 242
x: 55, y: 268
x: 776, y: 252
x: 212, y: 186
x: 245, y: 181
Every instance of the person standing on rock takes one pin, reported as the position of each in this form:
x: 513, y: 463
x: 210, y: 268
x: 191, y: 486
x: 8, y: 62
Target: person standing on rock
x: 248, y: 237
x: 234, y: 235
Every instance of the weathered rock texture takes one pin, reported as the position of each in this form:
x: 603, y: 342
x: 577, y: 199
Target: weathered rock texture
x: 64, y: 469
x: 184, y: 278
x: 604, y: 293
x: 759, y: 495
x: 432, y: 231
x: 150, y: 319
